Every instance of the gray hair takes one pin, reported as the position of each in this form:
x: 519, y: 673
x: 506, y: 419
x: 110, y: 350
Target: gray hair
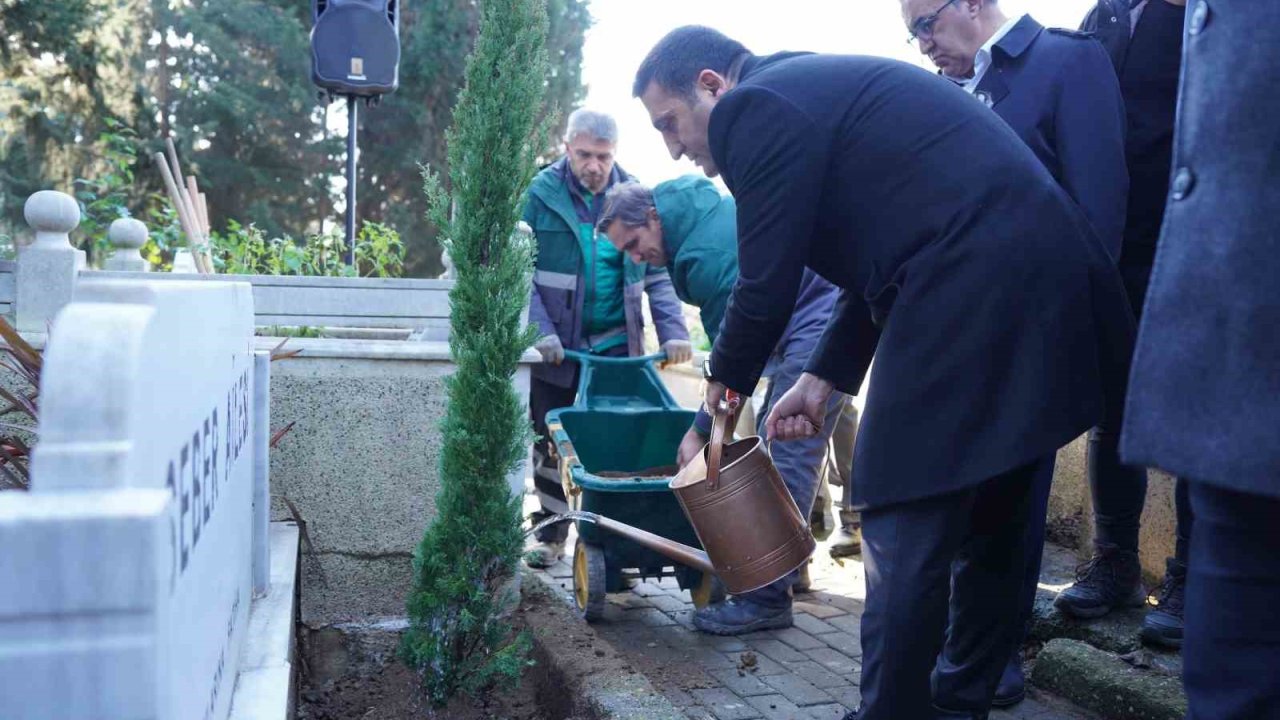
x: 628, y: 203
x: 595, y: 124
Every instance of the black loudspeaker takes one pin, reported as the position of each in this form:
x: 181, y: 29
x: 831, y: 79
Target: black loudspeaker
x: 355, y: 46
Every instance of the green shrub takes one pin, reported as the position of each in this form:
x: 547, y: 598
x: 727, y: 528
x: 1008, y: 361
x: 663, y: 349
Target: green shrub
x: 463, y: 566
x: 246, y: 250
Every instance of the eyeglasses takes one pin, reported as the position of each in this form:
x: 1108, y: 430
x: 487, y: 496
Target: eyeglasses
x: 923, y: 27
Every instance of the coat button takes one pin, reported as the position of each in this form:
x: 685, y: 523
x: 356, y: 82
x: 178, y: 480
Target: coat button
x: 1199, y: 16
x: 1183, y: 180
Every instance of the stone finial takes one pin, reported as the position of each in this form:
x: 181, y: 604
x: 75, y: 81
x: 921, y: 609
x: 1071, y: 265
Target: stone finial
x: 47, y: 268
x: 127, y: 236
x: 52, y: 215
x: 127, y: 233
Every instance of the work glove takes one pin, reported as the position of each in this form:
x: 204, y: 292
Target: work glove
x: 678, y: 352
x: 551, y: 349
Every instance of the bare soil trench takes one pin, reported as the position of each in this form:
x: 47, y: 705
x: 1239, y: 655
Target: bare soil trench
x: 394, y: 692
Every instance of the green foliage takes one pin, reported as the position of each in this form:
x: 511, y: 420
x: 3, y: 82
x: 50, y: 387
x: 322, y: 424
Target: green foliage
x: 230, y: 82
x: 289, y: 331
x: 66, y: 68
x: 246, y: 250
x: 105, y: 197
x: 469, y: 554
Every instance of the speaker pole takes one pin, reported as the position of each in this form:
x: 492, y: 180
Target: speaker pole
x: 351, y: 180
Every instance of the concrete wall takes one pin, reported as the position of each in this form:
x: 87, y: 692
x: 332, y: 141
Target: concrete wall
x: 1071, y: 512
x: 361, y: 465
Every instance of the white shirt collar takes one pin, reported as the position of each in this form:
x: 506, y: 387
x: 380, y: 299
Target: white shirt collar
x: 982, y: 60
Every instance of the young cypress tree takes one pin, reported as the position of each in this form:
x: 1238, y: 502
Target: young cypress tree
x: 468, y: 555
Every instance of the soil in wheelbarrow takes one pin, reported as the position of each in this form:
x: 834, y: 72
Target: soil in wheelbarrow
x: 661, y: 472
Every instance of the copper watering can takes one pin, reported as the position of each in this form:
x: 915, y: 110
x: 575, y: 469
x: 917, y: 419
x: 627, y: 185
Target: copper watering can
x: 739, y: 508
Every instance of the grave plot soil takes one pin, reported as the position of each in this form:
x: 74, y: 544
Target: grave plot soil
x: 395, y: 694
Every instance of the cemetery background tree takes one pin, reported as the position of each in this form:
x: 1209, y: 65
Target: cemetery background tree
x: 231, y: 80
x: 464, y: 564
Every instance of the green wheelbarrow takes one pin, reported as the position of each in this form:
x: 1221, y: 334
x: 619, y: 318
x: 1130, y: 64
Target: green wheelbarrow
x: 616, y: 448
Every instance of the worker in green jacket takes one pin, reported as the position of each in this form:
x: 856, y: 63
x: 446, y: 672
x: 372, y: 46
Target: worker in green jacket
x: 586, y: 296
x: 688, y: 227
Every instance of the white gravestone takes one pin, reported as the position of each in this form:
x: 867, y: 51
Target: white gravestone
x: 127, y: 570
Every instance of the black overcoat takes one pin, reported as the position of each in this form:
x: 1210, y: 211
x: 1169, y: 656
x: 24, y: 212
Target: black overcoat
x: 991, y: 306
x: 1204, y: 397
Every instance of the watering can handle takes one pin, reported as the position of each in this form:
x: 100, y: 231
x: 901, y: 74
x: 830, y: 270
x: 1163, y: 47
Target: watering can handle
x: 722, y: 416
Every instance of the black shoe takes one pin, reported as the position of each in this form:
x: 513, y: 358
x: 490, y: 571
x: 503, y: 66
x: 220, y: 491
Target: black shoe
x: 1013, y: 684
x: 1111, y: 579
x: 944, y: 714
x: 736, y: 616
x: 1163, y: 625
x: 848, y: 541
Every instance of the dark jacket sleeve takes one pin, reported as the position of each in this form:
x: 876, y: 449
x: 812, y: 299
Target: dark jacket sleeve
x: 1090, y: 127
x: 773, y: 157
x: 844, y: 353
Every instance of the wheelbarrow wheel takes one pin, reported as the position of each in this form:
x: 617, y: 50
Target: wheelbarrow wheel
x: 708, y: 592
x: 589, y: 574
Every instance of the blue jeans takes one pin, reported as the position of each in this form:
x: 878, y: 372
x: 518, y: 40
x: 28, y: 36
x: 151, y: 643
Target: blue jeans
x: 799, y: 462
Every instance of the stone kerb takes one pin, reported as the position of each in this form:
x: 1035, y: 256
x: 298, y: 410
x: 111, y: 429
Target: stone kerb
x: 127, y: 570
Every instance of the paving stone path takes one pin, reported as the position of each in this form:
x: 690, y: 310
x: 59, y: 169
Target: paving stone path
x: 809, y: 671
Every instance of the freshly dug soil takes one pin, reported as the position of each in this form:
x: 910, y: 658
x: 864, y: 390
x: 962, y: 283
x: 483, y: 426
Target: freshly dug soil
x: 395, y: 693
x: 654, y: 473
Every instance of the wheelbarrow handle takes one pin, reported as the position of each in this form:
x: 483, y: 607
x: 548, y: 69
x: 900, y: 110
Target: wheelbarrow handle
x: 586, y: 358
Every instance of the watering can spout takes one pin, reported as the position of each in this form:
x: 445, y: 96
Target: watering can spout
x: 679, y: 552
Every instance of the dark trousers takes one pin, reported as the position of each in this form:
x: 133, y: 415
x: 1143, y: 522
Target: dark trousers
x: 964, y: 550
x: 1120, y: 491
x: 959, y: 686
x: 544, y: 397
x: 1231, y: 651
x: 799, y: 462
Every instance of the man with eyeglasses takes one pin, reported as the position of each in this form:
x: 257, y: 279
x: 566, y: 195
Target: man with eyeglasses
x: 994, y: 312
x: 1056, y: 89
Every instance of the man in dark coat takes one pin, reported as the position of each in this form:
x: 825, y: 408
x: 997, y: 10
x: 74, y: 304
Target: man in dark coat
x: 1058, y: 92
x: 1204, y: 396
x: 989, y: 302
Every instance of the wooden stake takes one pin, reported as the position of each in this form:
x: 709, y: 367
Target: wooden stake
x: 201, y: 212
x: 175, y: 197
x: 200, y: 238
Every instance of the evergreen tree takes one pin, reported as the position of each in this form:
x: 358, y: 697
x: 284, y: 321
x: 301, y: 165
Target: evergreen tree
x: 469, y: 554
